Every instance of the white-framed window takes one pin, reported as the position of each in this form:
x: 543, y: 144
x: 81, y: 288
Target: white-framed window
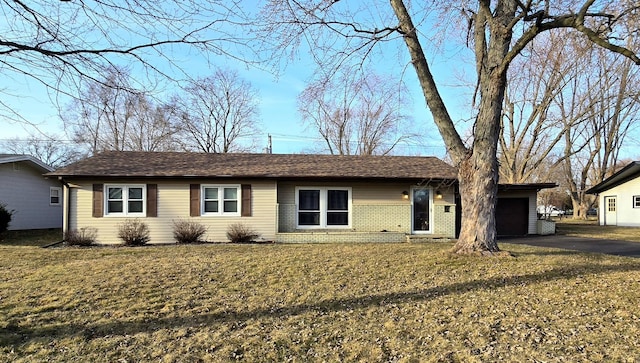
x: 611, y: 204
x: 55, y: 195
x: 125, y: 200
x: 636, y: 201
x: 220, y: 200
x: 323, y: 207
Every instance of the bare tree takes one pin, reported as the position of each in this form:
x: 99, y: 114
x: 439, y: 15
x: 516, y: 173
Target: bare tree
x: 154, y: 127
x: 498, y: 31
x: 112, y: 115
x: 61, y: 44
x: 555, y: 115
x: 99, y: 116
x: 356, y: 112
x: 52, y: 150
x: 532, y: 127
x: 217, y: 112
x: 607, y: 104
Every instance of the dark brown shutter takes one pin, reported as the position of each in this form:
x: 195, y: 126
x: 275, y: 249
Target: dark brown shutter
x: 152, y: 200
x: 194, y: 200
x: 246, y: 200
x: 98, y: 206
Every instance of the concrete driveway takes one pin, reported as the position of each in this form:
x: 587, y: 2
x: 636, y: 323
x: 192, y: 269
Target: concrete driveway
x: 606, y: 246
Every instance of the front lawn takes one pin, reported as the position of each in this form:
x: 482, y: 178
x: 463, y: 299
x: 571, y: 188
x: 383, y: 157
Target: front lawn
x: 358, y: 302
x: 591, y: 229
x: 33, y: 237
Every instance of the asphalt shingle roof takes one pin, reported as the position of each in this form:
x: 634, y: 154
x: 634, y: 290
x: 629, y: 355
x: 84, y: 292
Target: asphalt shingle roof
x: 184, y: 164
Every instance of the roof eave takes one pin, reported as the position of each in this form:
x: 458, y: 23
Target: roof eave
x: 526, y: 186
x: 622, y: 176
x: 31, y: 159
x: 242, y: 176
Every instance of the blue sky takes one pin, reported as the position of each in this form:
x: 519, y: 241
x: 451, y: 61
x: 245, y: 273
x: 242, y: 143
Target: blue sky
x: 279, y: 116
x: 278, y: 110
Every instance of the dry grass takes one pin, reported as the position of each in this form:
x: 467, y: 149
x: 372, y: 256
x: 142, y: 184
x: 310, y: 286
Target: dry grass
x: 35, y: 237
x: 591, y: 229
x: 359, y: 302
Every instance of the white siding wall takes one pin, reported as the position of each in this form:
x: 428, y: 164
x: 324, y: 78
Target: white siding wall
x: 173, y: 203
x: 24, y: 190
x: 626, y: 214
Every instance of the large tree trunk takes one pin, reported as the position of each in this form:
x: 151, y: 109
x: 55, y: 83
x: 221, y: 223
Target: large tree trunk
x: 478, y: 169
x: 580, y: 208
x: 478, y: 174
x: 478, y: 187
x: 478, y: 166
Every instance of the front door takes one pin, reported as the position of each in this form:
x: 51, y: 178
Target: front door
x: 421, y: 201
x: 610, y: 211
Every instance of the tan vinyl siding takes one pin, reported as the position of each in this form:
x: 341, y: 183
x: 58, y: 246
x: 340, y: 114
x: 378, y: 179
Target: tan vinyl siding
x: 172, y: 204
x: 379, y: 194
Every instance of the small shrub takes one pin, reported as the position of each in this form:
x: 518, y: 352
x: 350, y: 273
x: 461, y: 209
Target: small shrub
x: 241, y: 233
x: 186, y: 231
x: 134, y: 232
x: 85, y: 236
x: 5, y: 217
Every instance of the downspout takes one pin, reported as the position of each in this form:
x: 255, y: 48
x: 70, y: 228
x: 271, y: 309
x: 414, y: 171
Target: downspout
x: 600, y: 211
x: 65, y: 206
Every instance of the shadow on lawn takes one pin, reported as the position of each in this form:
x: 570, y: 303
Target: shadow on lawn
x: 550, y: 252
x: 16, y: 334
x: 31, y: 237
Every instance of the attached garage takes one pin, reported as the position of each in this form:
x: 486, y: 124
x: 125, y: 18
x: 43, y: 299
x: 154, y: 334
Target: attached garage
x: 515, y: 210
x: 512, y: 216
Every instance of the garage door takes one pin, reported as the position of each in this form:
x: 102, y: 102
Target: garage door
x: 512, y: 216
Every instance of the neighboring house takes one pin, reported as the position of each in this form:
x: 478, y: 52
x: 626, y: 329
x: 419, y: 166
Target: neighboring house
x: 619, y: 197
x: 286, y: 198
x: 36, y: 202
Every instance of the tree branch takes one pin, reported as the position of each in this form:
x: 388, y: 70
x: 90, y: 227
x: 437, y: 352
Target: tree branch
x: 575, y: 21
x: 432, y: 96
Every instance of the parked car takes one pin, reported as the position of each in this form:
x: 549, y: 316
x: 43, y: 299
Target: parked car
x: 550, y: 211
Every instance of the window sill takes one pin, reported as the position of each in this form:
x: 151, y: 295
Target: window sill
x: 323, y: 228
x: 122, y: 215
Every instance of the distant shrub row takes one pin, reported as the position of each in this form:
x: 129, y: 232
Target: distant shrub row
x: 134, y: 232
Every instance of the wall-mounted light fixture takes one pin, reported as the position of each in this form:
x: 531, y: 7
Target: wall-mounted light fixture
x: 405, y: 195
x: 438, y: 194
